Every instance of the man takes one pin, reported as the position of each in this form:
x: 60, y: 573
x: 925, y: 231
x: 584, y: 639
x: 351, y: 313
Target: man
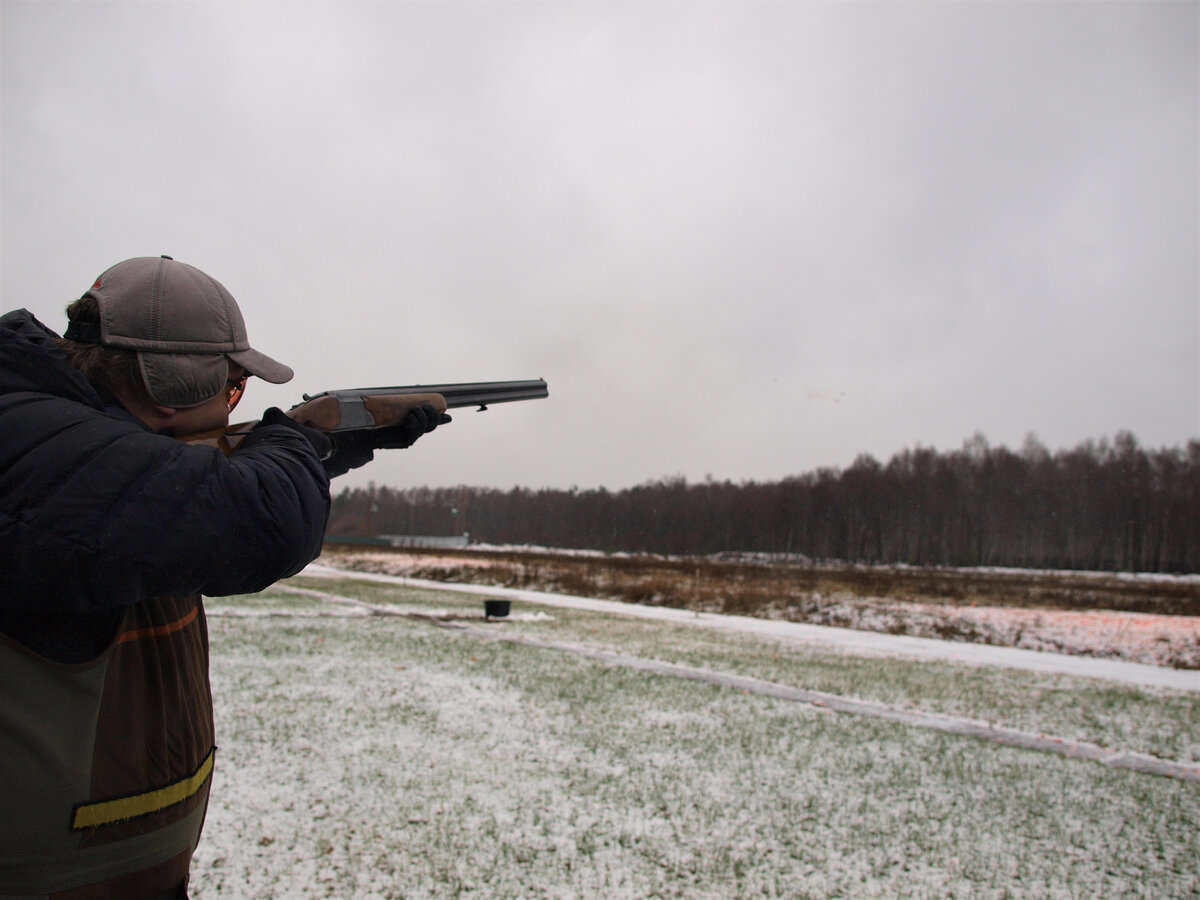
x: 110, y: 532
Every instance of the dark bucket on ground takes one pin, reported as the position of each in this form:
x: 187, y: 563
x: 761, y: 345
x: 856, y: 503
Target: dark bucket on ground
x: 496, y: 609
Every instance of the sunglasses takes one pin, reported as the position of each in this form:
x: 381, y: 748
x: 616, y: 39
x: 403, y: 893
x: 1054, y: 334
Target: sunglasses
x: 234, y: 390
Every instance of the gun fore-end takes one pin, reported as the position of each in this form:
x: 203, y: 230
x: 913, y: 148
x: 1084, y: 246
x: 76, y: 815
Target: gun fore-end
x: 356, y: 411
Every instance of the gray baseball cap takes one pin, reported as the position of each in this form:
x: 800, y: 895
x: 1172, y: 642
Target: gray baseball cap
x: 183, y: 325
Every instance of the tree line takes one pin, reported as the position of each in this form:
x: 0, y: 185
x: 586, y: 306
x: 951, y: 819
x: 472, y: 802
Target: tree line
x: 1105, y: 505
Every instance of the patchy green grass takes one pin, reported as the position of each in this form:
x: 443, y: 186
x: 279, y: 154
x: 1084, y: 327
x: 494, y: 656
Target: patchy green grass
x: 385, y: 757
x: 1161, y: 723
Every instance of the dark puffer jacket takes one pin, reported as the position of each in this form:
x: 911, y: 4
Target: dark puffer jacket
x: 97, y: 512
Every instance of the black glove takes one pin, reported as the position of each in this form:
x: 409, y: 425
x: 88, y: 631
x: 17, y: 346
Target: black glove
x: 352, y: 449
x: 420, y: 420
x: 320, y: 441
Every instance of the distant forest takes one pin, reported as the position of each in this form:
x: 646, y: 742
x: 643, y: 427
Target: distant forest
x: 1105, y: 505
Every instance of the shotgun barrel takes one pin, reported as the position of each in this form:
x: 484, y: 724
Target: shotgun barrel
x: 472, y: 393
x: 353, y: 409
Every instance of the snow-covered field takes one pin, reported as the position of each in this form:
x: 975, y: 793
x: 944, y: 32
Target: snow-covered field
x: 1088, y: 630
x: 1150, y: 639
x: 368, y: 755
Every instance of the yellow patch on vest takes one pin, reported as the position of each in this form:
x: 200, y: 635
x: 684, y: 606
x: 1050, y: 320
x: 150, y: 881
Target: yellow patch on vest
x: 107, y: 812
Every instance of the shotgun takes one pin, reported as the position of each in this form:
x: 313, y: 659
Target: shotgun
x: 361, y: 409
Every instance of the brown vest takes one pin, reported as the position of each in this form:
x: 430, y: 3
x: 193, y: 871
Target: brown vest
x: 105, y: 766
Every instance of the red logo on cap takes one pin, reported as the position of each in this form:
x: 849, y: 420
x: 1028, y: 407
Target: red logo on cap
x: 96, y: 286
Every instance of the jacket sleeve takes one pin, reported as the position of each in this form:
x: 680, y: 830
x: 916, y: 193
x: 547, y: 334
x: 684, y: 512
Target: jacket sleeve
x: 97, y: 512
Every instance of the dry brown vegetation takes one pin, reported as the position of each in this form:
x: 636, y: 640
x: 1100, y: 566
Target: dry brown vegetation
x: 745, y: 587
x: 1154, y: 620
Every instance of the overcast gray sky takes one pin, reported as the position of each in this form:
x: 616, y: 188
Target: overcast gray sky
x: 742, y: 240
